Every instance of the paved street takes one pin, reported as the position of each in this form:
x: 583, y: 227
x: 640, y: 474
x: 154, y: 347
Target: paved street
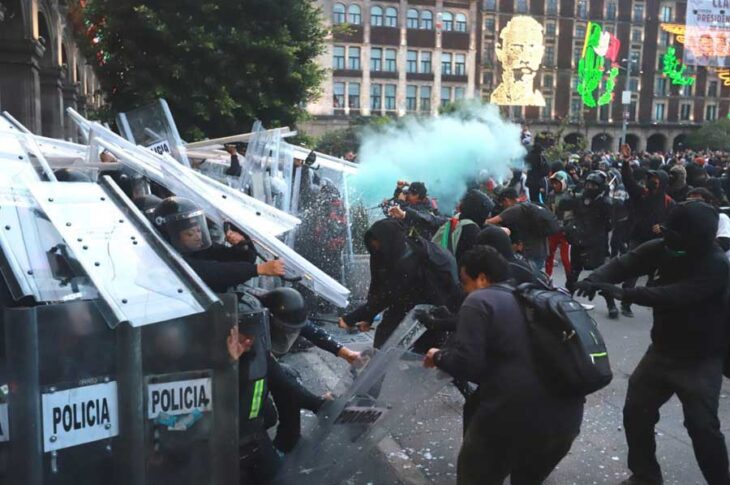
x: 425, y: 450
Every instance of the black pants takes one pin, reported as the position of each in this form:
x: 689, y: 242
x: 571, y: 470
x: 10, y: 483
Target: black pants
x: 697, y: 385
x: 258, y: 460
x: 576, y: 268
x: 487, y: 458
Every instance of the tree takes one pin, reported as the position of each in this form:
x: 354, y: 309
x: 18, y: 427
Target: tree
x: 714, y: 135
x: 220, y: 64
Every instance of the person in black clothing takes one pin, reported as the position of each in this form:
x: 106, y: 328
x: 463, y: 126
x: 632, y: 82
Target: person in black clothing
x: 689, y: 338
x: 520, y: 269
x: 678, y: 187
x: 587, y: 231
x: 517, y: 428
x: 236, y: 151
x: 459, y: 233
x: 537, y: 176
x: 648, y: 208
x: 697, y: 177
x: 418, y: 213
x: 400, y: 279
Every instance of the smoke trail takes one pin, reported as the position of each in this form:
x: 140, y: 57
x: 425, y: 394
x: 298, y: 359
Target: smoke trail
x: 443, y: 152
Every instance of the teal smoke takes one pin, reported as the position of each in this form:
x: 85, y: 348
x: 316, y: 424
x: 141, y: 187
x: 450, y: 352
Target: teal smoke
x: 444, y: 152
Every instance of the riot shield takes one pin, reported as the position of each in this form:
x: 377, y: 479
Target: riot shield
x: 152, y: 126
x: 408, y: 331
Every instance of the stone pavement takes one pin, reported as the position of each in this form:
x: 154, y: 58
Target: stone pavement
x: 424, y: 449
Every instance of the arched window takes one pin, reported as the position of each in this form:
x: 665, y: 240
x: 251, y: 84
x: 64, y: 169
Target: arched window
x: 412, y: 18
x: 391, y: 17
x: 448, y: 20
x: 460, y: 24
x: 338, y: 13
x: 354, y: 15
x: 427, y: 20
x: 376, y: 16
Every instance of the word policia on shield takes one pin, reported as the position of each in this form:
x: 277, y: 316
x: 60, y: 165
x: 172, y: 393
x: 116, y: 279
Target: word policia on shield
x: 597, y: 81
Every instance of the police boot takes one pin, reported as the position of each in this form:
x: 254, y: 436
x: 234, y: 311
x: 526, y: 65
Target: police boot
x: 626, y: 310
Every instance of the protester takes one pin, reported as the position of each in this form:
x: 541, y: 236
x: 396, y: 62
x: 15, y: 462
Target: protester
x: 419, y: 213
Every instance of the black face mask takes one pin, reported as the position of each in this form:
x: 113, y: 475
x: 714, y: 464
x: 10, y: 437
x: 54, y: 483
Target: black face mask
x: 591, y: 193
x: 673, y: 242
x: 653, y: 185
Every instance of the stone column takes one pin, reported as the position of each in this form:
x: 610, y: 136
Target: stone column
x: 51, y: 102
x: 70, y: 100
x: 20, y: 89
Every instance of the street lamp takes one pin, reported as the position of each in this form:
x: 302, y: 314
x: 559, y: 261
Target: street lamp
x: 625, y: 99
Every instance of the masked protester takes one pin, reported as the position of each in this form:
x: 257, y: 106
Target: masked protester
x: 689, y: 338
x: 723, y: 226
x: 459, y: 234
x: 678, y: 187
x: 588, y: 230
x: 419, y: 212
x: 648, y: 208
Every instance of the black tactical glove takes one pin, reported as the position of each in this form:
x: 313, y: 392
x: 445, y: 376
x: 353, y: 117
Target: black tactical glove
x: 439, y: 318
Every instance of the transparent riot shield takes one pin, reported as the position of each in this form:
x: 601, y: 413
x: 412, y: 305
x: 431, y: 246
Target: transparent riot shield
x: 408, y: 331
x: 152, y: 126
x: 372, y: 405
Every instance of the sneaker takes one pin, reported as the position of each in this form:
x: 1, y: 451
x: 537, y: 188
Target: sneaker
x: 587, y: 306
x: 626, y: 311
x: 634, y: 480
x: 613, y: 313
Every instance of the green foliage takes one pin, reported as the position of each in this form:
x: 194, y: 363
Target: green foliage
x: 338, y: 142
x: 220, y: 64
x: 558, y: 149
x: 714, y: 135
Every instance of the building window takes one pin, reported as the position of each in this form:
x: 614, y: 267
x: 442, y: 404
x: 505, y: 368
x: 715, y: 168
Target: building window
x: 376, y: 59
x: 412, y: 18
x: 411, y: 97
x: 446, y: 63
x: 376, y: 16
x: 376, y: 97
x: 575, y: 108
x: 427, y: 20
x: 488, y: 59
x: 577, y: 52
x: 666, y: 13
x: 521, y: 6
x: 547, y: 81
x: 638, y: 14
x: 412, y: 61
x: 664, y: 38
x: 390, y: 97
x: 611, y: 11
x: 338, y: 57
x: 338, y: 95
x: 634, y: 85
x: 448, y: 21
x: 686, y: 91
x: 660, y: 86
x: 634, y: 63
x: 489, y: 25
x: 636, y: 36
x: 353, y: 58
x: 390, y: 62
x: 547, y: 110
x: 459, y: 93
x: 391, y: 17
x: 516, y: 112
x: 550, y: 29
x: 685, y: 111
x: 549, y: 58
x: 445, y: 96
x: 354, y: 15
x: 580, y: 31
x: 632, y: 111
x: 338, y: 13
x: 426, y: 62
x: 460, y: 24
x: 659, y: 109
x: 581, y: 9
x: 490, y: 4
x: 711, y: 112
x: 425, y: 99
x: 551, y: 7
x: 460, y: 64
x: 712, y: 89
x: 488, y: 79
x: 353, y: 95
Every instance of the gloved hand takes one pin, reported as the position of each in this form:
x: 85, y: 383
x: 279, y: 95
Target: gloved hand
x: 585, y: 288
x: 607, y: 289
x: 439, y: 318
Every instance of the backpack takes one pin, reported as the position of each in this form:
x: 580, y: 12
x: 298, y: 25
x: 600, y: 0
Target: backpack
x: 544, y: 221
x: 569, y: 351
x: 448, y: 235
x: 441, y: 276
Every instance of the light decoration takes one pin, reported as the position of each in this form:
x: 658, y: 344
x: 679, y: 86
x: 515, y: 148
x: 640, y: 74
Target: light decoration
x: 520, y: 54
x: 674, y: 70
x: 598, y: 47
x: 679, y: 31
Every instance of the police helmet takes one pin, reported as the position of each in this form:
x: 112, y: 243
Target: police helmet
x: 183, y: 222
x: 71, y: 175
x: 288, y: 317
x: 147, y: 204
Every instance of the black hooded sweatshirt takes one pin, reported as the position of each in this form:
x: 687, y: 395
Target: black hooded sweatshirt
x: 688, y: 296
x: 476, y: 206
x: 646, y: 208
x: 398, y: 279
x: 520, y: 270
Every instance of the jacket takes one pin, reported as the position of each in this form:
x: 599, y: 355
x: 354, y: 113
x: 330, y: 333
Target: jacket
x: 423, y: 219
x: 646, y: 209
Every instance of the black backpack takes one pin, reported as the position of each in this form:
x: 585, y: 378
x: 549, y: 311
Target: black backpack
x: 569, y: 352
x: 544, y: 221
x: 441, y: 275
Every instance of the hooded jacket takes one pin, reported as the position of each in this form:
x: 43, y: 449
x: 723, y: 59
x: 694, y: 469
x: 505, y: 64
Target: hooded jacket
x: 678, y: 187
x: 646, y: 208
x: 688, y: 296
x: 475, y: 208
x: 520, y: 270
x: 422, y: 218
